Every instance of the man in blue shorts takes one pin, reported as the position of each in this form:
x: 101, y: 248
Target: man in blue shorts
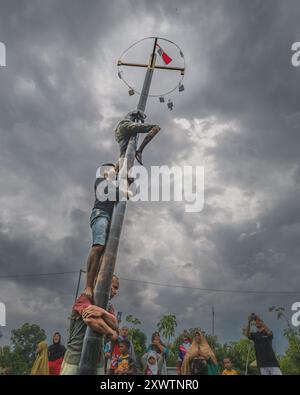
x: 99, y: 221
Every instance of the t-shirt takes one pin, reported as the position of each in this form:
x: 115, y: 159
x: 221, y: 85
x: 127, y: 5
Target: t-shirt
x: 77, y: 332
x: 101, y: 194
x: 75, y: 342
x: 125, y: 362
x: 265, y: 355
x: 115, y: 354
x: 231, y: 372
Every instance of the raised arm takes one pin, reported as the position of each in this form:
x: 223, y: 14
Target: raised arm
x: 136, y: 127
x: 248, y: 328
x: 267, y: 330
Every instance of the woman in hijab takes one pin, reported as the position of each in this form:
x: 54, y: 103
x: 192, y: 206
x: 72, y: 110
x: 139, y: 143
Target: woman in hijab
x: 40, y: 365
x: 157, y: 346
x: 56, y: 354
x: 200, y: 359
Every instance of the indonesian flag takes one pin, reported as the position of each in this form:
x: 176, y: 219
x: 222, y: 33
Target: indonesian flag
x: 165, y: 57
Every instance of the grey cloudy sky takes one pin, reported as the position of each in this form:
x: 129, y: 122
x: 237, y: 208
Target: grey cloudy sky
x: 60, y: 99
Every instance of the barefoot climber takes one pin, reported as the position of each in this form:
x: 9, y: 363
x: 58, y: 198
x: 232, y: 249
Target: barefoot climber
x: 129, y: 127
x: 99, y: 222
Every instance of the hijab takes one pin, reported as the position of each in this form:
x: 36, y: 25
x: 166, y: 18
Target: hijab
x: 154, y: 347
x: 56, y: 350
x: 204, y: 349
x: 40, y: 365
x: 152, y: 369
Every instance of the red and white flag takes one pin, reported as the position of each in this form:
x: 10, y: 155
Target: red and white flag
x: 165, y: 57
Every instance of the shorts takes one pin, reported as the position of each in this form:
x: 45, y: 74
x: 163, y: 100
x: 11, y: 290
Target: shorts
x: 275, y: 371
x: 99, y: 222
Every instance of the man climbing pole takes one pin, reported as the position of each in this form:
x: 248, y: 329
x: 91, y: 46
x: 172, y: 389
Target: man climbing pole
x: 129, y: 127
x: 106, y: 195
x: 99, y: 222
x: 84, y: 315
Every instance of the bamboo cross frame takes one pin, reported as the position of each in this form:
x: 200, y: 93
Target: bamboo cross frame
x: 181, y: 69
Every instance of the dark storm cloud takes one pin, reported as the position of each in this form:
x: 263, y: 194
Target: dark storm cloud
x: 59, y: 102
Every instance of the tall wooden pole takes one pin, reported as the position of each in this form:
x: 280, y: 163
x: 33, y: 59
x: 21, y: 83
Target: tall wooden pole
x: 93, y: 342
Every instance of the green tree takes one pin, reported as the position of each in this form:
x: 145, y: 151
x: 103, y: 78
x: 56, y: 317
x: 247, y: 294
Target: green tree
x: 133, y: 320
x: 138, y: 339
x: 166, y: 326
x: 25, y: 340
x: 289, y: 332
x: 18, y: 359
x: 13, y: 362
x: 241, y: 353
x: 290, y: 362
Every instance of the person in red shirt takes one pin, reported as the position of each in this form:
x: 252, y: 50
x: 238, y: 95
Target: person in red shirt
x: 85, y: 314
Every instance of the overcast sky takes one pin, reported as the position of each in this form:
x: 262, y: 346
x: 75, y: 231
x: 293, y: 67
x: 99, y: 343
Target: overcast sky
x: 60, y: 99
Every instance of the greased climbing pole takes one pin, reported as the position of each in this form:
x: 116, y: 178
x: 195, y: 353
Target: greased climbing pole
x: 92, y: 344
